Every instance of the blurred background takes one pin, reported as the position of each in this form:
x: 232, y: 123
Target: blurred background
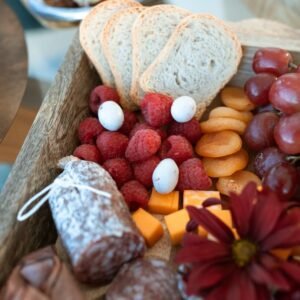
x: 47, y: 48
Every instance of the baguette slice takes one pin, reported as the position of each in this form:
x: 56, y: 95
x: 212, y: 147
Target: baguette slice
x: 199, y: 59
x: 116, y: 37
x: 150, y: 33
x: 90, y: 30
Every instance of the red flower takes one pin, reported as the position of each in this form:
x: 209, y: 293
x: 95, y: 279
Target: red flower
x: 242, y: 268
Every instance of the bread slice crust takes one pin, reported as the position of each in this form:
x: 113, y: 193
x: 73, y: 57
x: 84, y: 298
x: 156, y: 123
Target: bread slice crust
x: 116, y: 37
x: 90, y: 29
x: 150, y: 32
x: 199, y: 59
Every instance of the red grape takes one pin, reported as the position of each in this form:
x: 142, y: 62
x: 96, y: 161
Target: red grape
x: 257, y: 88
x: 266, y: 159
x: 259, y: 132
x: 271, y: 60
x: 287, y: 134
x: 285, y: 93
x: 298, y: 69
x: 282, y: 179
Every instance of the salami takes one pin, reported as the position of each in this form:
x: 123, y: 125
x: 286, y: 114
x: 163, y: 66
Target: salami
x: 144, y: 279
x: 41, y: 276
x: 96, y: 230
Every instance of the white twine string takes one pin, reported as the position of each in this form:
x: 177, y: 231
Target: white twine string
x: 23, y: 215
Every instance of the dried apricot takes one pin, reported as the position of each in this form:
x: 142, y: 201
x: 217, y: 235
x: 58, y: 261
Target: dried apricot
x: 227, y: 165
x: 218, y: 144
x: 220, y: 124
x: 228, y: 112
x: 236, y: 182
x: 236, y: 98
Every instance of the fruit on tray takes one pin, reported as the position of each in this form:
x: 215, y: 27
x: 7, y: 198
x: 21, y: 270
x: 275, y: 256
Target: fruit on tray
x: 260, y: 131
x: 236, y: 182
x: 257, y: 88
x: 227, y: 165
x: 236, y: 98
x: 271, y: 60
x: 221, y: 124
x: 219, y: 144
x: 196, y: 198
x: 150, y: 228
x: 228, y: 112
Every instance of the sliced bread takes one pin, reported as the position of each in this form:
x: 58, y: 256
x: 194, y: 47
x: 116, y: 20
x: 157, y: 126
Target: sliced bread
x: 150, y: 33
x: 90, y: 30
x: 116, y: 39
x: 199, y: 59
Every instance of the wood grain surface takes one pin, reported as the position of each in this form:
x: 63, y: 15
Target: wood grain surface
x: 13, y: 66
x: 53, y: 135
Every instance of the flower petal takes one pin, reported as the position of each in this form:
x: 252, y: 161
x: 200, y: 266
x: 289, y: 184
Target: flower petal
x: 208, y: 250
x: 205, y: 277
x: 241, y: 208
x: 285, y: 238
x: 212, y: 224
x: 265, y: 215
x: 211, y: 201
x: 192, y: 239
x: 271, y: 279
x: 262, y: 293
x: 292, y: 270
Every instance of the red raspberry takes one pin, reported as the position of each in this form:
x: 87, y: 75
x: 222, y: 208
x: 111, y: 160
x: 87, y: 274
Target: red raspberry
x: 112, y: 144
x: 88, y: 130
x: 143, y: 170
x: 143, y: 145
x: 100, y: 94
x: 119, y: 169
x: 135, y: 195
x: 190, y: 130
x: 130, y: 120
x: 140, y: 126
x: 192, y: 176
x: 88, y: 152
x: 176, y: 147
x: 156, y: 109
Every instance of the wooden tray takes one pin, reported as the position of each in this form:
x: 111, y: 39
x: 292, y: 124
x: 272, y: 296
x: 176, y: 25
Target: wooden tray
x: 53, y: 135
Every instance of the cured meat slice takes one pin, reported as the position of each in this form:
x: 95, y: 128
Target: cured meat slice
x: 144, y: 279
x: 96, y: 230
x: 41, y: 276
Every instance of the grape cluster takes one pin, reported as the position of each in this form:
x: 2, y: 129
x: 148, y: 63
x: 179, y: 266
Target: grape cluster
x: 274, y: 131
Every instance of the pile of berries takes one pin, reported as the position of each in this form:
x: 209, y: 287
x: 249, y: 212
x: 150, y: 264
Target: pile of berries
x: 274, y: 132
x: 132, y: 153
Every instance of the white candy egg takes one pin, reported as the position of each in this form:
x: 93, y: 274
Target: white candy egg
x: 165, y: 176
x: 183, y: 109
x: 111, y: 115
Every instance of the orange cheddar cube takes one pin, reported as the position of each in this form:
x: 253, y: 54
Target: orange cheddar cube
x: 282, y: 253
x: 223, y: 215
x: 201, y: 231
x: 196, y: 198
x: 163, y: 204
x: 150, y: 228
x: 176, y: 224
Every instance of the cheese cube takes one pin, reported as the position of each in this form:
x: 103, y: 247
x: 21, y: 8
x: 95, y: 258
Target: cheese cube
x: 282, y: 253
x: 150, y: 228
x: 176, y: 224
x: 196, y: 198
x: 163, y: 204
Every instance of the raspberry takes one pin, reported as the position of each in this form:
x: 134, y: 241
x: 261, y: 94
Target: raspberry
x: 119, y: 169
x: 143, y: 145
x: 135, y: 195
x: 130, y: 120
x: 140, y: 126
x: 176, y: 147
x: 112, y: 144
x: 190, y: 130
x: 88, y: 130
x: 143, y: 170
x: 156, y: 109
x: 88, y: 152
x: 192, y: 176
x: 100, y: 94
